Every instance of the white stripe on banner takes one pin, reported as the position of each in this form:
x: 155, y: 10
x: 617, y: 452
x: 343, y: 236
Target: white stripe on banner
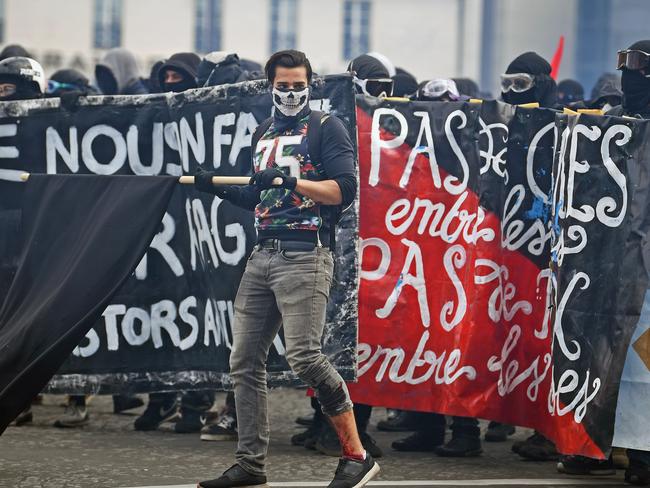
x: 10, y: 174
x: 432, y: 483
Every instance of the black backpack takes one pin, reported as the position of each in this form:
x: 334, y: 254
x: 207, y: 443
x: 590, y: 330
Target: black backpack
x: 316, y: 119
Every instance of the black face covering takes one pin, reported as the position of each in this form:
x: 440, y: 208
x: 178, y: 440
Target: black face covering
x: 545, y: 90
x: 636, y: 87
x: 180, y: 86
x: 24, y: 91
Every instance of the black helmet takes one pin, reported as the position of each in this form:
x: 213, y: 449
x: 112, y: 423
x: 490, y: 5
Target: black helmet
x: 24, y: 71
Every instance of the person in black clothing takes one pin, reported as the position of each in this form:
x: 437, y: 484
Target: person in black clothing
x: 404, y: 83
x: 606, y: 93
x: 528, y: 80
x: 634, y: 63
x: 287, y: 277
x: 179, y: 72
x: 569, y: 93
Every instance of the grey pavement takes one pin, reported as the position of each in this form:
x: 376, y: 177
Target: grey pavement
x: 107, y: 452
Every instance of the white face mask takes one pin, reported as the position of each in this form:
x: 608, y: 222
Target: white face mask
x: 607, y: 107
x: 290, y: 103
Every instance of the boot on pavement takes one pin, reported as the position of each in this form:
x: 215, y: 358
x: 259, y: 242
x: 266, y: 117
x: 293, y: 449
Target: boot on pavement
x: 498, y: 432
x: 461, y: 446
x: 536, y: 448
x: 420, y: 441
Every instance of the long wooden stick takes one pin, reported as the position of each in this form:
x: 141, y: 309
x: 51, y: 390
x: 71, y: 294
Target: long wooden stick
x: 189, y: 180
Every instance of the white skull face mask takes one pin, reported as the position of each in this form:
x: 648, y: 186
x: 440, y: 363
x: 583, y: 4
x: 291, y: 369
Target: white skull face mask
x: 290, y: 102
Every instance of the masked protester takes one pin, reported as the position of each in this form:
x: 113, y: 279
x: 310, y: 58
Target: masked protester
x: 528, y: 80
x: 634, y: 63
x: 570, y: 93
x: 21, y: 79
x: 438, y: 90
x: 606, y: 93
x: 371, y: 77
x: 287, y: 278
x: 179, y: 72
x: 118, y: 74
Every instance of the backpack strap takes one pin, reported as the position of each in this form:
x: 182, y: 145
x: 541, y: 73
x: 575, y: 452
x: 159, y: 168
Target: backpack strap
x: 257, y: 135
x: 316, y: 120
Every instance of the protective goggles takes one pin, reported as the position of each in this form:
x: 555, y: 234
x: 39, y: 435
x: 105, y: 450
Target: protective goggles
x: 7, y: 89
x: 53, y: 86
x: 379, y: 87
x: 517, y: 82
x: 632, y: 59
x: 437, y: 89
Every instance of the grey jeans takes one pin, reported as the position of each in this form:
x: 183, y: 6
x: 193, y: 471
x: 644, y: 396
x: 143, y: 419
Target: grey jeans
x: 286, y: 288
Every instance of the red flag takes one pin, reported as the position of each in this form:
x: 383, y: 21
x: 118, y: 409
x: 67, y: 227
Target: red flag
x: 557, y: 58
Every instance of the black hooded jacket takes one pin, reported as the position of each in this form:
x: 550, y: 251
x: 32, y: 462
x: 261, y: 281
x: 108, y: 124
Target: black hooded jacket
x: 636, y: 87
x: 187, y: 64
x: 545, y: 90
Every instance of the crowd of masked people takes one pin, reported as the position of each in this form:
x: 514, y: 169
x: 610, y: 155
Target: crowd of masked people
x: 526, y: 80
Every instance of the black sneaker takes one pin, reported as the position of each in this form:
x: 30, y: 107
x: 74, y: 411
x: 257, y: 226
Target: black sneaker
x: 224, y: 430
x: 402, y: 421
x: 497, y: 432
x: 370, y: 445
x: 189, y: 423
x: 354, y: 474
x: 154, y: 415
x: 235, y: 476
x: 637, y: 474
x: 461, y: 446
x: 580, y: 465
x: 420, y: 441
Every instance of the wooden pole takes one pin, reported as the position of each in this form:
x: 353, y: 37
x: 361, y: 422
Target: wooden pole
x: 216, y: 180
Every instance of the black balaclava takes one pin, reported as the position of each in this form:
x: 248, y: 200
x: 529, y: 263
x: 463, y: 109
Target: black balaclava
x: 25, y: 90
x: 636, y: 87
x: 367, y: 67
x: 187, y: 65
x: 545, y: 90
x: 569, y: 91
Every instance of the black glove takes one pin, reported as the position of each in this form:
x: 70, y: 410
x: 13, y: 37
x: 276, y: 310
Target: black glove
x: 263, y: 180
x: 203, y: 182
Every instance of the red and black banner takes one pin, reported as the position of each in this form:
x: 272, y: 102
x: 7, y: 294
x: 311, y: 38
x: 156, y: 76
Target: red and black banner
x: 465, y: 266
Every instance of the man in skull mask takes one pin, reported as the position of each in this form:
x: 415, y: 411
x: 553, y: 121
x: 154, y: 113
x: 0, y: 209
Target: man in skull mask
x: 289, y: 273
x: 634, y: 63
x: 528, y: 80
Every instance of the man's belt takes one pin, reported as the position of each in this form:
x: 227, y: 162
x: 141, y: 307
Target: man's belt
x: 285, y: 245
